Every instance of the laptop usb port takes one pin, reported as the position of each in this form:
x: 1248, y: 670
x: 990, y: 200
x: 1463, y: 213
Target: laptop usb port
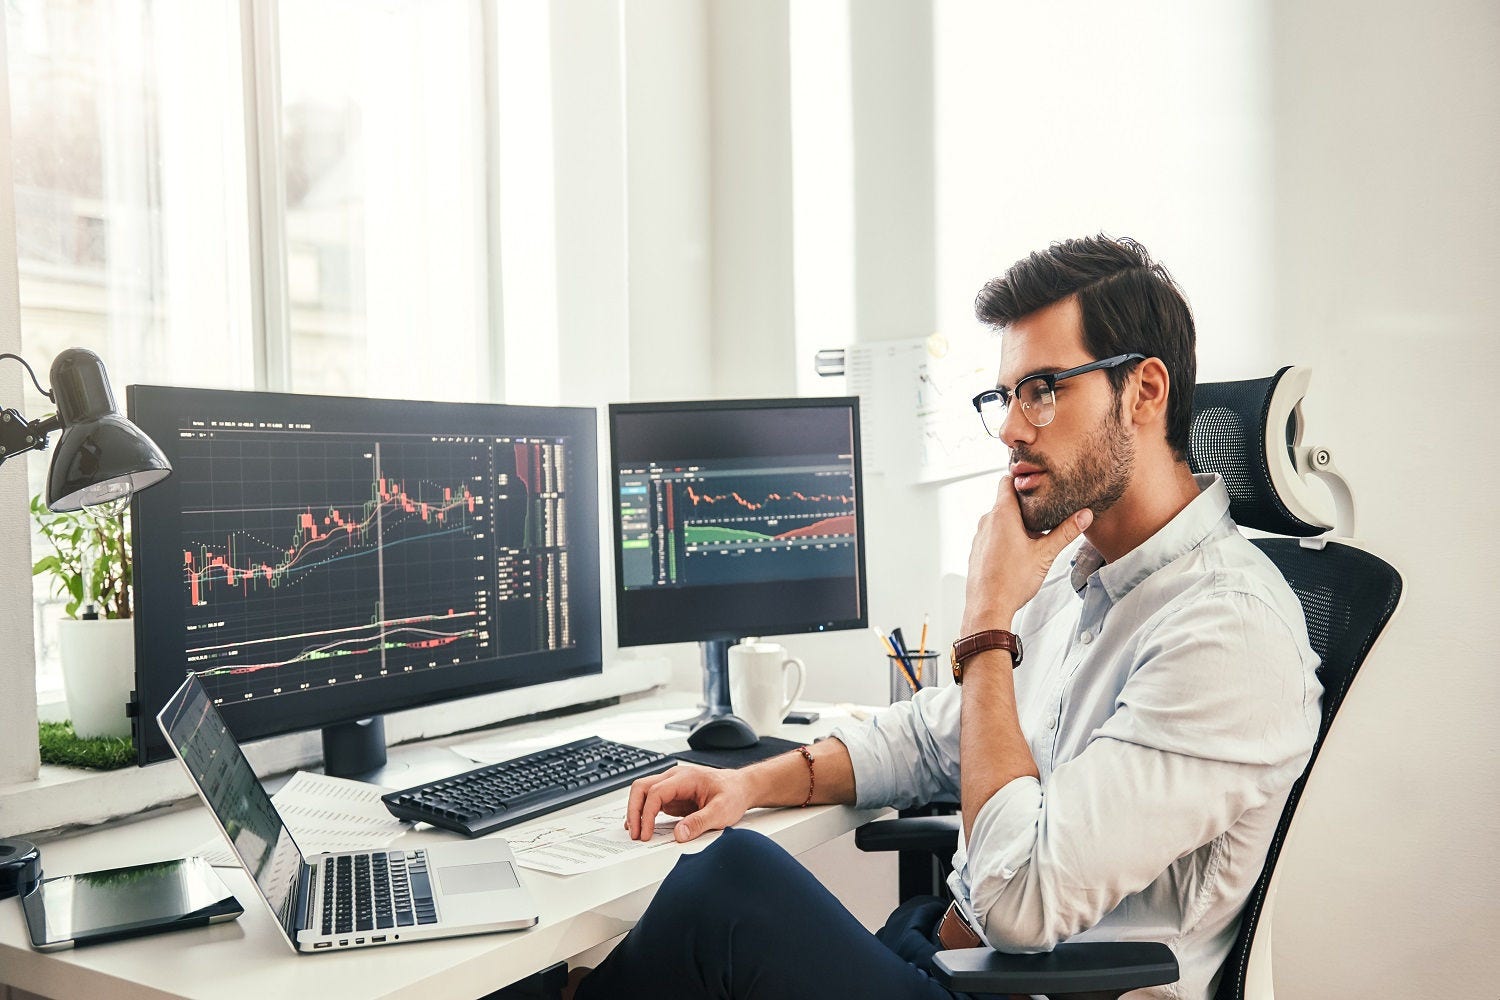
x: 378, y: 939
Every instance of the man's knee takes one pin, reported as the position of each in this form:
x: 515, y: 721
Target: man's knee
x: 741, y: 865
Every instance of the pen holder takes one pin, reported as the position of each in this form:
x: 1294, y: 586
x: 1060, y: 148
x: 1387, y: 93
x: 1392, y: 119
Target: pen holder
x: 925, y: 665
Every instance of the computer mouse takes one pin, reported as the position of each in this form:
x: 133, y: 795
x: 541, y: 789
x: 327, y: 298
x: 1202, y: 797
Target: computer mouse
x: 722, y: 732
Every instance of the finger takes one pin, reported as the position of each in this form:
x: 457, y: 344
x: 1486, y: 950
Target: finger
x: 1006, y: 497
x: 694, y: 825
x: 1061, y: 536
x: 638, y: 789
x: 656, y: 795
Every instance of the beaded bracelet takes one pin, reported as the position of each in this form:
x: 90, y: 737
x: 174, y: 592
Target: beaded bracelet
x: 807, y: 756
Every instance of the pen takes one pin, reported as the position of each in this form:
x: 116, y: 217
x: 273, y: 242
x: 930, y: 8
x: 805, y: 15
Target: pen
x: 900, y: 658
x: 900, y: 644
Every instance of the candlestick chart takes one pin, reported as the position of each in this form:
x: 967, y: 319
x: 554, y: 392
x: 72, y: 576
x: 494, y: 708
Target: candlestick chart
x: 310, y: 560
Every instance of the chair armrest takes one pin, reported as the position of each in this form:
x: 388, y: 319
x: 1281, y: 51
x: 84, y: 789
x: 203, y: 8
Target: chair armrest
x: 937, y: 834
x: 1104, y: 966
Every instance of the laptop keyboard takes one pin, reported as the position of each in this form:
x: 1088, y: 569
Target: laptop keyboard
x: 498, y: 795
x: 369, y: 892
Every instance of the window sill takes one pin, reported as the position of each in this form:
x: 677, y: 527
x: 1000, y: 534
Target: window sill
x: 64, y: 799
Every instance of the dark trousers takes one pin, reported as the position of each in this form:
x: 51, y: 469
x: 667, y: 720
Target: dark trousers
x: 742, y: 920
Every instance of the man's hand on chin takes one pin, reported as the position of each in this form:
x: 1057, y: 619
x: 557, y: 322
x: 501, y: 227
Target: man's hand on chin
x: 1007, y: 563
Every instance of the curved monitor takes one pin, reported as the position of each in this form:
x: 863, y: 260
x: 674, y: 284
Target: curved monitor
x: 736, y: 518
x: 317, y: 560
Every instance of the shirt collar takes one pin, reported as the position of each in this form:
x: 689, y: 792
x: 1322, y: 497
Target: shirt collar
x: 1185, y: 532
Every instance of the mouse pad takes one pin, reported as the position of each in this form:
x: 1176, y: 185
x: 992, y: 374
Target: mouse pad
x: 766, y: 748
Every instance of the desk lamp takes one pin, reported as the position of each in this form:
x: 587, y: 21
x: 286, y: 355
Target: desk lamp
x: 101, y: 457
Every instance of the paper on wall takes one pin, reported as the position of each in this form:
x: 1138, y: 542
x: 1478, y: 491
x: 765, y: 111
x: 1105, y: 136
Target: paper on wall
x: 916, y: 418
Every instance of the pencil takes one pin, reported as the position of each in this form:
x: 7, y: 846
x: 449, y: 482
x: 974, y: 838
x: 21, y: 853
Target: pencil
x: 922, y: 642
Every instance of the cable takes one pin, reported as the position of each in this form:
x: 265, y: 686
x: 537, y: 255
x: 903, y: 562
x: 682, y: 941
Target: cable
x: 29, y: 371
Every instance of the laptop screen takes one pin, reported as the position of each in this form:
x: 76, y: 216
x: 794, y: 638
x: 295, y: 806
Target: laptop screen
x: 224, y: 778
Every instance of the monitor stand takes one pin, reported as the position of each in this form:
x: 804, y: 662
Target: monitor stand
x: 715, y: 654
x: 356, y: 750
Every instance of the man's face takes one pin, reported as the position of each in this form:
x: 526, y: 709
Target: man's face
x: 1084, y: 457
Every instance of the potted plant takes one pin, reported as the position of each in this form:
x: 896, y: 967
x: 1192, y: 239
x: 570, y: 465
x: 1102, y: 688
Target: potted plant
x: 90, y: 566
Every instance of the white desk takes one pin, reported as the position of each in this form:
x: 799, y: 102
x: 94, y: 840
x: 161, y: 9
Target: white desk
x: 249, y: 957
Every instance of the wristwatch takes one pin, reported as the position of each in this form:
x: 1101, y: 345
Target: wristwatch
x: 981, y: 642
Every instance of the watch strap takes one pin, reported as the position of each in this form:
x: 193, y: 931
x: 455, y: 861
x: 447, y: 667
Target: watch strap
x: 982, y: 642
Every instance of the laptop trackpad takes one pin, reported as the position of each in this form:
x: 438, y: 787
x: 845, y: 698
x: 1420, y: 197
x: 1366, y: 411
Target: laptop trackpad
x: 492, y: 876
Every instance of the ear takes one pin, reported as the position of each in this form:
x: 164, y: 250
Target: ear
x: 1146, y: 397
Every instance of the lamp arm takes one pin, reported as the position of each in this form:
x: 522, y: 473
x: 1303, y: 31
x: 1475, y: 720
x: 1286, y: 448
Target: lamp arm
x: 18, y: 435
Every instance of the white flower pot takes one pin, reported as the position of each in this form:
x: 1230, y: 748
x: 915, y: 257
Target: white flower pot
x: 98, y: 667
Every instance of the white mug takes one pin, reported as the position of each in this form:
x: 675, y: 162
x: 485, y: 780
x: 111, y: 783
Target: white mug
x: 757, y: 684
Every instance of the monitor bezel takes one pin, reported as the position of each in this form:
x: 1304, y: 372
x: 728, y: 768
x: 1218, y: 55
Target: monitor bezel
x: 153, y: 525
x: 630, y: 631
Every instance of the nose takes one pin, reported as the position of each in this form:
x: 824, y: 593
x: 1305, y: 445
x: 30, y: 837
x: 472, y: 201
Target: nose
x: 1016, y: 429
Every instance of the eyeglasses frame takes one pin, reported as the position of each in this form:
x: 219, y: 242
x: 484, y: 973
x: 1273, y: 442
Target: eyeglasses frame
x: 1051, y: 378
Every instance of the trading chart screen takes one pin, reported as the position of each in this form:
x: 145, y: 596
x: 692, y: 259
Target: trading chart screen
x: 317, y: 559
x: 736, y: 518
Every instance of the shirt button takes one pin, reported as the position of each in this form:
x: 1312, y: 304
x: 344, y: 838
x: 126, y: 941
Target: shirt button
x: 1086, y: 638
x: 1052, y: 722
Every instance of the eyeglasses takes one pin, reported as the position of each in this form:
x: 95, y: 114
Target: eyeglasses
x: 1037, y: 394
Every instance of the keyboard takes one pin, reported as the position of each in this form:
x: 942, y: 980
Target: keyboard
x: 499, y: 795
x: 367, y: 892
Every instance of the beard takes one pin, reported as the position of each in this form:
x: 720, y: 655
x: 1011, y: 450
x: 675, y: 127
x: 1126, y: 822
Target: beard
x: 1097, y: 480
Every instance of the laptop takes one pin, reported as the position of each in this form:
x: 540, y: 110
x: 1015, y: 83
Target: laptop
x: 360, y: 899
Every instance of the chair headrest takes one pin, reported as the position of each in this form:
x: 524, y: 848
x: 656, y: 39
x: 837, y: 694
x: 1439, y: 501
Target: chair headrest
x: 1248, y: 433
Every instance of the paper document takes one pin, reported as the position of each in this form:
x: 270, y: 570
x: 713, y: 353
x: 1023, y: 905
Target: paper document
x: 570, y: 845
x: 325, y: 815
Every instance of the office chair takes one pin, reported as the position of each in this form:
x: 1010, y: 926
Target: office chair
x: 1250, y: 433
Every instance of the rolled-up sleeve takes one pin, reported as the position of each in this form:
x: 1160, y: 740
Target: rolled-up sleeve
x: 1215, y: 719
x: 907, y: 754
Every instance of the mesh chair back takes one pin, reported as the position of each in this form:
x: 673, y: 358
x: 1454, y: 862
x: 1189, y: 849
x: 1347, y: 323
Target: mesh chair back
x: 1228, y: 436
x: 1347, y: 594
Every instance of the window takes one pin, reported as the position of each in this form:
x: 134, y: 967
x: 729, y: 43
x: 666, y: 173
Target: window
x: 140, y: 220
x: 129, y: 186
x: 382, y: 139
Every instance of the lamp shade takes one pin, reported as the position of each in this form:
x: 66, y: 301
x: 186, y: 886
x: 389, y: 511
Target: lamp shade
x: 100, y: 454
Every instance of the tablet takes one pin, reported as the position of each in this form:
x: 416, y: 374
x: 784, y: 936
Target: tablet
x: 75, y: 910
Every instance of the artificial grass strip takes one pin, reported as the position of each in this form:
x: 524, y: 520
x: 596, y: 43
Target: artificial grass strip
x: 60, y: 745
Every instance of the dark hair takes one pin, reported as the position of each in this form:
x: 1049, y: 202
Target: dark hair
x: 1129, y: 303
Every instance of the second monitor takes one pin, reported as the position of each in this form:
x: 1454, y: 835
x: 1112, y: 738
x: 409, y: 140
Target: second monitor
x: 736, y: 518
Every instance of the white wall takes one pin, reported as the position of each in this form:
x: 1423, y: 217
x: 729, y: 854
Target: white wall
x: 18, y: 751
x: 668, y: 196
x: 1387, y: 252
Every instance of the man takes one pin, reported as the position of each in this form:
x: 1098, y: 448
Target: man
x: 1120, y: 777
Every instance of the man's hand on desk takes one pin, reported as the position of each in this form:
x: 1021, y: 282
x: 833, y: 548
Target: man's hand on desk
x: 706, y: 798
x: 711, y: 799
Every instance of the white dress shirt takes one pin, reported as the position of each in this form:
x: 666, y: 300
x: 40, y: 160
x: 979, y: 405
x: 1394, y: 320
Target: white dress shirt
x: 1170, y: 701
